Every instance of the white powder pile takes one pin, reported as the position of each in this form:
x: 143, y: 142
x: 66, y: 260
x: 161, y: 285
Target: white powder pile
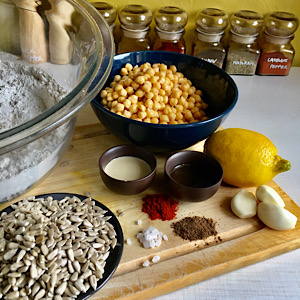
x: 26, y: 92
x: 151, y: 237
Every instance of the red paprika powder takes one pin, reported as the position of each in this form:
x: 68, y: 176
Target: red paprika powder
x: 160, y: 206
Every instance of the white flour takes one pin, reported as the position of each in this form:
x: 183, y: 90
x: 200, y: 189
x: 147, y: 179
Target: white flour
x: 26, y: 92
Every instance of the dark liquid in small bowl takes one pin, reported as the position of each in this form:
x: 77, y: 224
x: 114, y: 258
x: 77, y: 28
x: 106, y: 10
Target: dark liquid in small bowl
x: 193, y: 176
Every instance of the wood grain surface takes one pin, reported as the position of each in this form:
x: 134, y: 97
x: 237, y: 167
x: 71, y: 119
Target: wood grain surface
x: 240, y: 242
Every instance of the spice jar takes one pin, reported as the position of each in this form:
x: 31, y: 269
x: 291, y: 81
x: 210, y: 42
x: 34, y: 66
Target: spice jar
x: 169, y: 30
x: 243, y: 51
x: 135, y: 21
x: 108, y: 12
x: 277, y: 52
x: 210, y: 26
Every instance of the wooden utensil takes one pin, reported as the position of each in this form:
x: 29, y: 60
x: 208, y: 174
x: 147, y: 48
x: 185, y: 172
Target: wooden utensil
x: 32, y: 32
x: 60, y: 44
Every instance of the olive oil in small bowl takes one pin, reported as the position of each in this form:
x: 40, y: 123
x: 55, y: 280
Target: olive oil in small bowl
x: 192, y: 175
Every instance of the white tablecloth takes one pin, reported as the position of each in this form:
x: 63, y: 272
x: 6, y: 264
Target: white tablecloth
x: 269, y: 105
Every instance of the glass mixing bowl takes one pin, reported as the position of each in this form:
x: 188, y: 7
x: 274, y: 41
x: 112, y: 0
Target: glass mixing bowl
x: 65, y: 41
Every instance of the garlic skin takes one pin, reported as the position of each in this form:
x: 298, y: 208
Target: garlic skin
x: 275, y: 216
x: 243, y: 204
x: 265, y: 193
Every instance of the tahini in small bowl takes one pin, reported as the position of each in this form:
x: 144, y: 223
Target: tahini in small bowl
x: 219, y: 92
x: 193, y: 176
x: 127, y: 169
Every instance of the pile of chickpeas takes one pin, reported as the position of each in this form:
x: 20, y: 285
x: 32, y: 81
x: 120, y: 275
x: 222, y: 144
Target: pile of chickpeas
x: 154, y: 94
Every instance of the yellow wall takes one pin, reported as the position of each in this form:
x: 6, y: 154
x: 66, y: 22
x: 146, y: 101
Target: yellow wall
x: 230, y: 6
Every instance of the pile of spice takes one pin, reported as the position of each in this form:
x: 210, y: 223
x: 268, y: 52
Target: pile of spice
x: 151, y: 237
x: 160, y: 206
x: 195, y: 228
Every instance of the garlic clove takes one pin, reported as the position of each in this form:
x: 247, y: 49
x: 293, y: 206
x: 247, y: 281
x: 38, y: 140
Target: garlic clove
x: 275, y: 216
x: 243, y: 204
x: 265, y: 193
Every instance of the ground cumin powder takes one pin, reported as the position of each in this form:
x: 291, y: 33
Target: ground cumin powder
x: 195, y: 228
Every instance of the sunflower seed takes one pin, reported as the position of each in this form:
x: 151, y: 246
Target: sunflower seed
x: 10, y: 254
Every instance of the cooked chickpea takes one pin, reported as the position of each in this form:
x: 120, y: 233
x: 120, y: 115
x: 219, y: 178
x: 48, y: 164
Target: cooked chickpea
x: 147, y: 87
x: 157, y: 85
x: 140, y: 93
x: 151, y: 113
x: 179, y: 116
x: 127, y: 114
x: 149, y: 103
x: 176, y: 93
x: 142, y: 114
x: 129, y: 66
x: 150, y: 72
x: 153, y: 79
x: 127, y: 103
x: 115, y: 95
x: 109, y: 97
x: 164, y: 118
x: 120, y: 107
x: 173, y: 68
x: 156, y: 106
x: 154, y: 93
x: 128, y: 81
x: 141, y: 106
x: 133, y: 108
x: 173, y: 101
x: 129, y: 90
x: 190, y: 105
x: 121, y: 99
x: 103, y: 93
x: 154, y: 120
x: 149, y: 95
x: 117, y: 78
x: 124, y: 71
x: 133, y: 99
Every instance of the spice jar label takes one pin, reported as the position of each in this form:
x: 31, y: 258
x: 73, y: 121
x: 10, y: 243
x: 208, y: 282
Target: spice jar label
x: 239, y: 62
x: 274, y: 63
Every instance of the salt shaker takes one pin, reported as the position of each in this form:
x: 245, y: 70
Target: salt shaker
x: 135, y: 21
x: 210, y: 26
x: 277, y: 52
x: 170, y: 22
x: 243, y: 51
x: 33, y: 41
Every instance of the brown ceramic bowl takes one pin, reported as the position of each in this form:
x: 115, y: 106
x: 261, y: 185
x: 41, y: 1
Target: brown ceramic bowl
x: 124, y: 186
x: 193, y: 176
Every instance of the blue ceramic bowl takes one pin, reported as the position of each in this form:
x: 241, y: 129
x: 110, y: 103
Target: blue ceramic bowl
x: 219, y: 92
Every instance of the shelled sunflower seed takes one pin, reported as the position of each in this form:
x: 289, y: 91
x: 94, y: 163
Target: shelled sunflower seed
x: 53, y: 249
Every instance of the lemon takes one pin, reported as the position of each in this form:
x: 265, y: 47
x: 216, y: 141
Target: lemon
x: 248, y: 158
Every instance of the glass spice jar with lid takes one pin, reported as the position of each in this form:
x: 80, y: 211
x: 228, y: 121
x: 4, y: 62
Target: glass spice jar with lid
x: 277, y: 52
x: 243, y: 51
x: 210, y: 26
x: 108, y: 12
x: 135, y: 21
x: 170, y: 22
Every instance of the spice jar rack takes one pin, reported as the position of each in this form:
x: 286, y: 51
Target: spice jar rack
x: 249, y: 44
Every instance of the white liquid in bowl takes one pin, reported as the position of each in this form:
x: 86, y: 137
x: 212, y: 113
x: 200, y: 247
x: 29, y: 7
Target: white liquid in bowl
x: 127, y: 168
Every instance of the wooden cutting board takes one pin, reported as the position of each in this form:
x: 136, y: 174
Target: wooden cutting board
x: 240, y: 242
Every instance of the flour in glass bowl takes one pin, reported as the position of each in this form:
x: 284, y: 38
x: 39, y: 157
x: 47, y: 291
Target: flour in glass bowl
x: 26, y: 92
